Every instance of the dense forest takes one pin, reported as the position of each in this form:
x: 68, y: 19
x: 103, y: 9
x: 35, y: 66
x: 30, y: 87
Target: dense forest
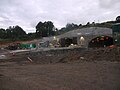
x: 46, y: 29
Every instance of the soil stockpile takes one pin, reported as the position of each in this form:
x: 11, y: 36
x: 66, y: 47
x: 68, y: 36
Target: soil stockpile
x: 66, y: 56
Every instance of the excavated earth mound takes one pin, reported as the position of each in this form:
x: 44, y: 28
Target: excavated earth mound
x: 65, y: 56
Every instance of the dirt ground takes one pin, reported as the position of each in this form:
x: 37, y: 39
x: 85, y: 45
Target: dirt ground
x: 93, y: 69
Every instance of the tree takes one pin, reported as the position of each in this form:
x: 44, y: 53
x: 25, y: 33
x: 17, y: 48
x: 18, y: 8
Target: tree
x: 9, y: 33
x: 71, y: 26
x: 80, y: 25
x: 39, y: 29
x: 2, y: 33
x: 49, y: 28
x: 118, y: 19
x: 18, y: 32
x: 31, y: 35
x: 15, y: 32
x: 88, y: 23
x: 45, y: 29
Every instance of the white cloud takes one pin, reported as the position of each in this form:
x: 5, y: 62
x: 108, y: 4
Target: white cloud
x: 109, y: 3
x: 27, y: 13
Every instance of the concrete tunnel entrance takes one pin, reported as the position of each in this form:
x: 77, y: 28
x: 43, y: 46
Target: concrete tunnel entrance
x: 65, y: 42
x: 101, y: 41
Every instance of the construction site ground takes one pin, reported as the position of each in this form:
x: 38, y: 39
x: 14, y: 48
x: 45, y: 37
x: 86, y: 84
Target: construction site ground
x: 61, y: 69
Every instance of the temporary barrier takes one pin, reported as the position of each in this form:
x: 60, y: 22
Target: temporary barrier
x: 27, y: 46
x: 116, y: 33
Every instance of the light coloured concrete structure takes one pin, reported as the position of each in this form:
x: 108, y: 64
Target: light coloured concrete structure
x: 87, y: 34
x: 84, y: 35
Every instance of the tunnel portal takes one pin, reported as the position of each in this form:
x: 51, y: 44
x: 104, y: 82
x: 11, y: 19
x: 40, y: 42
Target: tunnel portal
x: 101, y: 41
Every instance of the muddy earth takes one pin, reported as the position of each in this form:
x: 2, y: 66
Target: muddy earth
x: 67, y: 69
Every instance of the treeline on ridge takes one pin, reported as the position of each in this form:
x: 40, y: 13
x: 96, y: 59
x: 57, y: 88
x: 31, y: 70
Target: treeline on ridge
x: 46, y: 29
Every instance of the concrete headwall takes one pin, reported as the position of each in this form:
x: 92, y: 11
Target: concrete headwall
x: 87, y: 33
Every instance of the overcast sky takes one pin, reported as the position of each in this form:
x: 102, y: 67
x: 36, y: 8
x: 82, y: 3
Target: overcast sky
x: 27, y: 13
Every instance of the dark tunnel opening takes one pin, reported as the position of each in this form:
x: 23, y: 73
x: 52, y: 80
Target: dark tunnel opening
x: 66, y: 42
x: 101, y: 41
